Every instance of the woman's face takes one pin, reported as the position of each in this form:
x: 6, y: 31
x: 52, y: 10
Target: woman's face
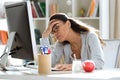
x: 60, y: 30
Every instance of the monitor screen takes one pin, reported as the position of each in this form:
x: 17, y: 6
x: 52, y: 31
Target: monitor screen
x: 19, y: 19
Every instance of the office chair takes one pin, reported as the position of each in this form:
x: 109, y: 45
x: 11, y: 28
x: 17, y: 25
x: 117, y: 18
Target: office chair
x: 111, y: 53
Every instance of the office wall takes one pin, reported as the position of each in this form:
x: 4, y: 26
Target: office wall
x: 3, y: 24
x: 114, y: 19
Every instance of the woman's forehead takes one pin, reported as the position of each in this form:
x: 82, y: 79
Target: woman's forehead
x: 58, y: 22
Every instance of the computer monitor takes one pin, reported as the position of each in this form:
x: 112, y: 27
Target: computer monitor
x: 21, y: 43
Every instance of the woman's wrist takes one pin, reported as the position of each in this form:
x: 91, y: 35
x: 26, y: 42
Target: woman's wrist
x: 45, y: 35
x: 45, y: 41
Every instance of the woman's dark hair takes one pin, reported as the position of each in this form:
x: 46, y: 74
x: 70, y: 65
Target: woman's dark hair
x: 76, y: 25
x: 59, y: 16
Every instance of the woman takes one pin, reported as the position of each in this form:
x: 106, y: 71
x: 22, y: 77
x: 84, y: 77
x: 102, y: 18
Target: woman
x: 73, y: 38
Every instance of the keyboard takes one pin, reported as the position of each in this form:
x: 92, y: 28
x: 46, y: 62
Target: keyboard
x: 16, y: 68
x: 36, y: 67
x: 32, y: 66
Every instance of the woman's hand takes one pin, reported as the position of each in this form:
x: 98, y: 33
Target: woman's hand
x: 64, y: 67
x: 47, y: 32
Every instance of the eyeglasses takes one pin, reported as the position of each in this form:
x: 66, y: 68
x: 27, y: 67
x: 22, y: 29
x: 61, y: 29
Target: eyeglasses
x: 55, y: 28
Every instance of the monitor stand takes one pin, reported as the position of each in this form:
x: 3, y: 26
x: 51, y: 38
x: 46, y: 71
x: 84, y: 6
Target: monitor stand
x: 6, y: 53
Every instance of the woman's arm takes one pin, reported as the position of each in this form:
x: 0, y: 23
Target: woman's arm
x: 96, y: 50
x: 57, y: 53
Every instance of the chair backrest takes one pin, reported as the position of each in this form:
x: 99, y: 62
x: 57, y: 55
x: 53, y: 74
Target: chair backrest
x: 111, y: 52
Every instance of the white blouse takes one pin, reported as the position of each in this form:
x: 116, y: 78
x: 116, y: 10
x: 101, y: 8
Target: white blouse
x: 91, y: 50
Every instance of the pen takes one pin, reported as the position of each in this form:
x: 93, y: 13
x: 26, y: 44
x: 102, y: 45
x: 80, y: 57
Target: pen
x: 49, y: 51
x: 45, y: 50
x: 74, y: 57
x: 41, y: 50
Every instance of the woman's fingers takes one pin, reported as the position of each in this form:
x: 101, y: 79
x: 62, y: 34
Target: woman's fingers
x: 47, y: 32
x: 64, y: 67
x: 51, y: 25
x: 60, y: 67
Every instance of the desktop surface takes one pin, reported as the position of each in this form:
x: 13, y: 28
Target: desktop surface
x: 32, y: 74
x: 22, y: 68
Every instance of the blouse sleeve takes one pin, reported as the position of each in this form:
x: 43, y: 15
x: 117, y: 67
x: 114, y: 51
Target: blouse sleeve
x: 96, y: 50
x: 57, y: 53
x: 44, y: 42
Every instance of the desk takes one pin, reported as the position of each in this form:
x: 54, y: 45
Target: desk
x: 109, y: 74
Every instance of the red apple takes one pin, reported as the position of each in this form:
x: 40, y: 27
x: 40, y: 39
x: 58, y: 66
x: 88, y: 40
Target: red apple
x: 88, y: 65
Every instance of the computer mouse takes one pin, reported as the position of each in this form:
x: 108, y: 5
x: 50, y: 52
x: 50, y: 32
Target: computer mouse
x: 29, y: 63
